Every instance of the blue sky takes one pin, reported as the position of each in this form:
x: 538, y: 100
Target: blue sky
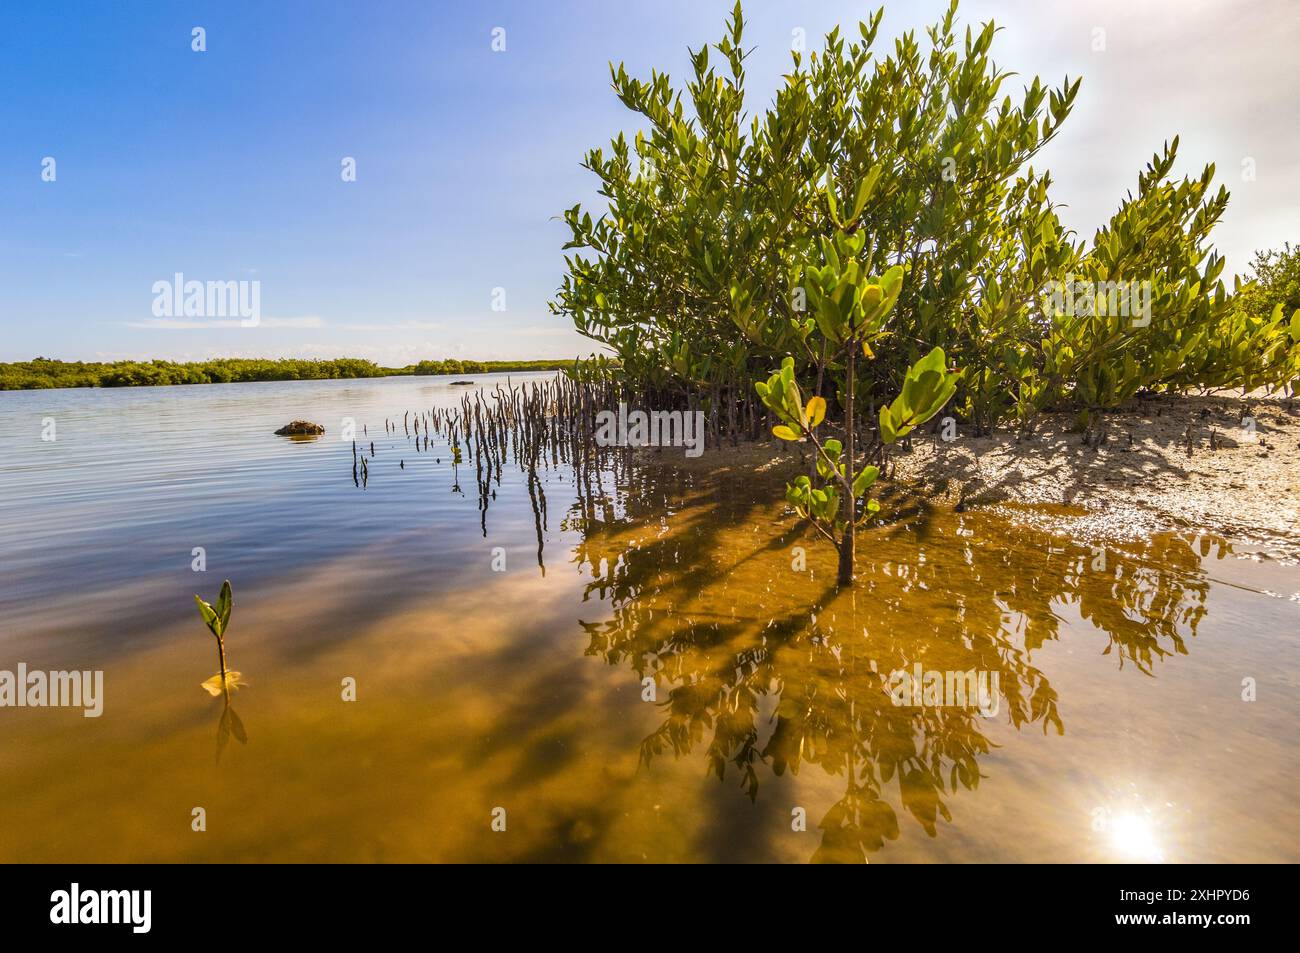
x: 225, y: 165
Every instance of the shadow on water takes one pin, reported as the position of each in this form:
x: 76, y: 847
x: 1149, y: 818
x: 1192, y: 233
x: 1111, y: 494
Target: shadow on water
x: 229, y: 725
x: 729, y: 617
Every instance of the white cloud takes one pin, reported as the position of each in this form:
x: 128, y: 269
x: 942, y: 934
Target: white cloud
x: 545, y: 331
x: 399, y: 326
x: 194, y: 324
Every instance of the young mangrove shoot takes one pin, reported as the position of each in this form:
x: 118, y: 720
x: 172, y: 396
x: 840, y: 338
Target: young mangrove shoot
x: 217, y: 618
x: 849, y: 310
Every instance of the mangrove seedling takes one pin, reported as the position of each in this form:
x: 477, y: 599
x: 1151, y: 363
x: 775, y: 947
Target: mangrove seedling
x: 217, y: 618
x: 849, y: 310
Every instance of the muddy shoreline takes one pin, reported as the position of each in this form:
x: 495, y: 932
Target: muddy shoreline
x: 1225, y: 465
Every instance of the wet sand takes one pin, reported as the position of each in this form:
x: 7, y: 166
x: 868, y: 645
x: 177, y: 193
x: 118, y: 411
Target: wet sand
x: 1238, y: 481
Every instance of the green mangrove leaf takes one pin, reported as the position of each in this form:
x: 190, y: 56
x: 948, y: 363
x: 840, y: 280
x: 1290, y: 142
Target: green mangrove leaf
x: 888, y: 433
x: 864, y: 479
x: 224, y: 605
x: 865, y: 188
x: 210, y: 617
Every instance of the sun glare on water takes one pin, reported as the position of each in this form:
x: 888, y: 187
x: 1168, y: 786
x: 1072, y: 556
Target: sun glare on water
x: 1134, y: 840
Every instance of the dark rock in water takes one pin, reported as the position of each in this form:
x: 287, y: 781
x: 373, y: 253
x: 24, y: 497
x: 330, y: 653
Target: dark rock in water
x: 300, y: 428
x: 461, y: 384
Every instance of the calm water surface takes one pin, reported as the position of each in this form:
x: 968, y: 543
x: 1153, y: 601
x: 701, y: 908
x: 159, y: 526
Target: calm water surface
x: 674, y: 681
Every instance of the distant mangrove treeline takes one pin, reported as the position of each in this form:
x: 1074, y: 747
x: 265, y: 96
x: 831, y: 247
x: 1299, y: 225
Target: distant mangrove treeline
x: 44, y: 372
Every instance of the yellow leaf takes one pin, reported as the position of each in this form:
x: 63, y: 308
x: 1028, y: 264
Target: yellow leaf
x: 866, y: 349
x: 213, y: 685
x: 784, y: 432
x: 816, y: 410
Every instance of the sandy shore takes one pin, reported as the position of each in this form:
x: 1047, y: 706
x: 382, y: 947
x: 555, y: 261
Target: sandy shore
x: 1228, y: 477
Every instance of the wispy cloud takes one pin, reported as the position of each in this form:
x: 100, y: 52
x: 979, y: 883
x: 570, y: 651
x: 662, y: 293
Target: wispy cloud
x: 545, y: 331
x: 399, y: 326
x: 194, y: 324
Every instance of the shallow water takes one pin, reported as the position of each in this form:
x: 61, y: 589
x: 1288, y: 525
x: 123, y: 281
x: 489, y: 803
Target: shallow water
x: 1120, y: 731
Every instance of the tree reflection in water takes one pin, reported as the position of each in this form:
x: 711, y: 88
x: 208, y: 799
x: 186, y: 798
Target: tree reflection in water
x: 764, y: 666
